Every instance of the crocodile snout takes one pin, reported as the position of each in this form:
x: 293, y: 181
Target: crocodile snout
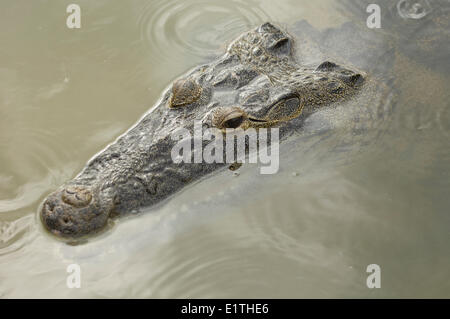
x: 76, y: 196
x: 74, y: 211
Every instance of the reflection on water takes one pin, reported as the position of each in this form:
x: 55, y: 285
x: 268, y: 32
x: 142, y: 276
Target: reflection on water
x: 362, y: 182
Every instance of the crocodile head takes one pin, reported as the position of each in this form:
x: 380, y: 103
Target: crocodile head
x: 256, y: 83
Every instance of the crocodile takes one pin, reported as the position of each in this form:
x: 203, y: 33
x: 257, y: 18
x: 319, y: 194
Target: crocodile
x: 257, y: 83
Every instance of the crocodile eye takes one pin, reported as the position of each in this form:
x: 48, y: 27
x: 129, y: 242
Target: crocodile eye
x: 228, y: 118
x: 233, y: 122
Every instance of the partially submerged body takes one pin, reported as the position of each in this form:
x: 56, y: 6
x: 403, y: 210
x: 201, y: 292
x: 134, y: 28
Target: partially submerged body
x: 256, y: 83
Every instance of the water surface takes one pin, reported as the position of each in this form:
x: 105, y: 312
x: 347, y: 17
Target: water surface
x: 363, y: 182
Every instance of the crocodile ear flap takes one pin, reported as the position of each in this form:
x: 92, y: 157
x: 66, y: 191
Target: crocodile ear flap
x: 327, y: 66
x: 280, y: 46
x: 184, y: 92
x: 278, y: 42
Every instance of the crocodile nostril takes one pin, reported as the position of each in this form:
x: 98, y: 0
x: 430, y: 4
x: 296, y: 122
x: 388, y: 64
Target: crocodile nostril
x: 49, y: 206
x: 76, y: 196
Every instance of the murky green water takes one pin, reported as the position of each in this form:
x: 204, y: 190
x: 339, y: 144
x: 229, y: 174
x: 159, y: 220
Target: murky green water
x: 364, y: 182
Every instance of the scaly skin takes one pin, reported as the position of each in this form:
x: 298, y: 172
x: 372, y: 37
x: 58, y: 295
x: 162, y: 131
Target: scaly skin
x: 256, y: 83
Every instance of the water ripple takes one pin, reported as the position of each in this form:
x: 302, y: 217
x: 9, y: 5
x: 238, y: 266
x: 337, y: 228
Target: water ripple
x: 183, y: 26
x: 12, y: 234
x: 413, y: 9
x: 41, y: 153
